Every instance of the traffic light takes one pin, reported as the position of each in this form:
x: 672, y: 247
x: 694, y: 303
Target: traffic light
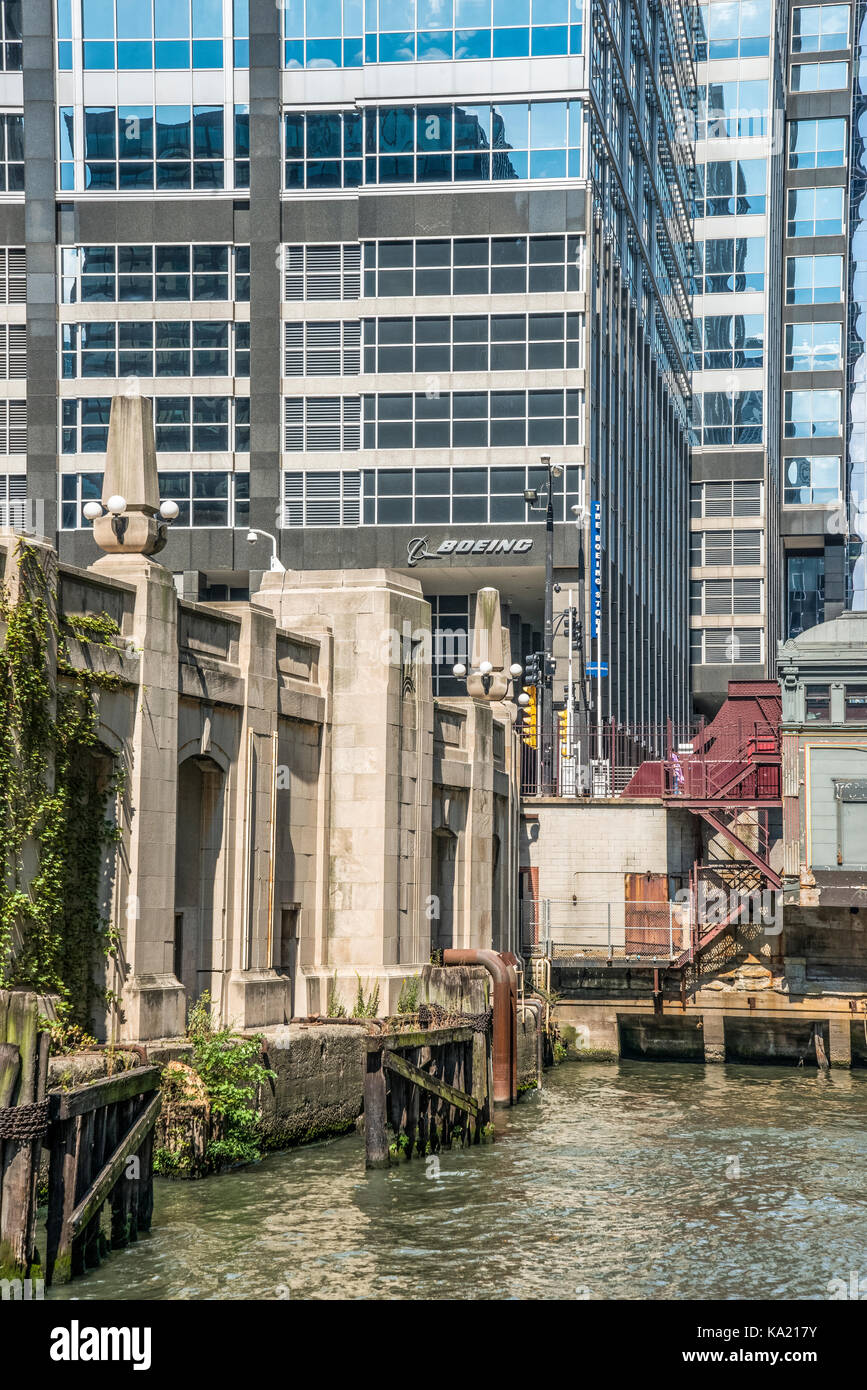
x: 576, y: 630
x: 532, y: 664
x: 563, y: 723
x: 530, y: 722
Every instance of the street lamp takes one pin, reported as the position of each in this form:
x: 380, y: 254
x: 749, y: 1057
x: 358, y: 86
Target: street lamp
x: 253, y: 535
x: 547, y: 722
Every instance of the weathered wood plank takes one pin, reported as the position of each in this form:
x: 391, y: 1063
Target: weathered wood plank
x: 10, y: 1065
x: 434, y: 1037
x: 375, y: 1133
x: 61, y: 1201
x: 106, y: 1179
x: 450, y: 1094
x: 16, y: 1168
x: 81, y: 1099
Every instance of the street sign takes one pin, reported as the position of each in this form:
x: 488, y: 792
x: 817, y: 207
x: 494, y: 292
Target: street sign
x: 594, y: 668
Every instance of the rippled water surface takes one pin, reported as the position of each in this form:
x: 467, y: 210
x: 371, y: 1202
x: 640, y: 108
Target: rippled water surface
x: 634, y: 1180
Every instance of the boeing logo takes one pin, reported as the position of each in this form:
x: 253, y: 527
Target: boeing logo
x: 417, y: 548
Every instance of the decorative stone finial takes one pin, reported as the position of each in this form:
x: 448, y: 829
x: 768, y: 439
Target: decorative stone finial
x: 487, y: 679
x: 130, y: 477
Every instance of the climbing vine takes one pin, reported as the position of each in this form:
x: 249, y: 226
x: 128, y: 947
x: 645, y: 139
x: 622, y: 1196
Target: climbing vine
x: 54, y: 826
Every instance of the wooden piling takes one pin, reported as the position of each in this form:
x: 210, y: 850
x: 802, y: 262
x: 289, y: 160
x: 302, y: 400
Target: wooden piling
x: 375, y: 1132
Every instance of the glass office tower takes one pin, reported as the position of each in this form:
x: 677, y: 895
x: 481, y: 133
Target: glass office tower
x: 372, y: 260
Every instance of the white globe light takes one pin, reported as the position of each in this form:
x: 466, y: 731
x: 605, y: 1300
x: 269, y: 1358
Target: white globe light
x: 169, y: 510
x: 92, y: 510
x: 557, y: 471
x: 485, y: 668
x: 459, y: 670
x: 516, y: 670
x: 252, y: 537
x: 116, y: 504
x: 523, y: 700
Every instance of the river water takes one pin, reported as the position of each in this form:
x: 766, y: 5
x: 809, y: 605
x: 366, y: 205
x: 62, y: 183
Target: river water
x: 631, y: 1180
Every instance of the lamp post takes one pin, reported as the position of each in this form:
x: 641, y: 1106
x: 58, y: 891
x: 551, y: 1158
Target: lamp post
x: 547, y: 711
x: 579, y: 511
x: 253, y: 535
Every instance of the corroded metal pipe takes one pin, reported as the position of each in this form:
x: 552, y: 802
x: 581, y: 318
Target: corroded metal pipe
x: 500, y: 968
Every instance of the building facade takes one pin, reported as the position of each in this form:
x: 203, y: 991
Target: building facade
x: 371, y: 263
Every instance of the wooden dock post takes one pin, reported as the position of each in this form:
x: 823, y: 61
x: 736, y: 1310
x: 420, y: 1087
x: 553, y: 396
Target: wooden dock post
x: 23, y: 1069
x: 375, y: 1132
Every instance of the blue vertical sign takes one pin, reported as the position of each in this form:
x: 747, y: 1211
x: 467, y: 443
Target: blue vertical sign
x: 595, y: 567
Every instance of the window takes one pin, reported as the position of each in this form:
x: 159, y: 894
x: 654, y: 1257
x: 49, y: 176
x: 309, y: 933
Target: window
x: 732, y: 30
x: 433, y: 144
x: 819, y: 144
x: 855, y: 704
x: 328, y: 35
x: 814, y: 279
x: 819, y: 28
x: 134, y: 147
x: 817, y: 697
x: 182, y: 424
x: 473, y: 343
x: 727, y: 264
x: 813, y: 347
x: 11, y: 34
x: 815, y: 212
x: 473, y: 265
x: 147, y: 274
x: 819, y: 77
x: 11, y: 152
x: 204, y: 498
x: 726, y: 548
x: 723, y: 341
x: 714, y: 646
x: 151, y: 34
x: 726, y: 499
x: 811, y: 414
x: 725, y: 188
x: 322, y: 499
x: 725, y: 596
x: 13, y: 500
x: 732, y: 110
x: 450, y: 635
x: 727, y: 417
x: 154, y: 348
x: 812, y: 478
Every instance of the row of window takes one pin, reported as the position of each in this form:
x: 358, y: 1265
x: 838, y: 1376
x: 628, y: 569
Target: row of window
x: 473, y: 265
x: 725, y: 548
x: 718, y: 646
x: 728, y: 498
x: 811, y: 478
x: 155, y: 146
x: 419, y: 496
x: 331, y: 34
x: 204, y: 498
x: 182, y: 424
x: 721, y: 418
x: 203, y: 347
x: 709, y: 597
x: 818, y: 702
x: 721, y: 341
x: 154, y: 274
x: 449, y: 420
x: 433, y: 144
x: 152, y: 34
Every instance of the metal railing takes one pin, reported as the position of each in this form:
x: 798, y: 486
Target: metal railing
x: 599, y: 930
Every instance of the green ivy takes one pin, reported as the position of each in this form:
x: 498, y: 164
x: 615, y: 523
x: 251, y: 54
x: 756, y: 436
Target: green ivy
x: 51, y: 931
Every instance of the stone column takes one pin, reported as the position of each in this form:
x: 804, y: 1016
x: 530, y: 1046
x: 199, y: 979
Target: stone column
x: 153, y: 999
x: 840, y: 1039
x: 713, y: 1026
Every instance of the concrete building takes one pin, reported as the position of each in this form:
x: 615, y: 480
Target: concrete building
x: 370, y: 263
x: 298, y: 812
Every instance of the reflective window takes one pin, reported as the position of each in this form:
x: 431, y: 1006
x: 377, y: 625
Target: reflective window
x: 814, y: 279
x: 182, y: 424
x: 499, y: 343
x: 729, y: 264
x: 816, y: 211
x: 130, y: 147
x: 11, y: 152
x: 11, y: 34
x: 433, y: 144
x: 154, y: 34
x: 732, y: 110
x: 813, y: 347
x: 811, y: 414
x: 151, y: 348
x: 819, y: 77
x: 817, y: 28
x: 811, y: 478
x: 855, y: 704
x: 473, y: 265
x: 204, y: 498
x: 819, y: 144
x: 154, y: 273
x: 727, y: 188
x: 728, y: 29
x: 724, y: 341
x: 806, y: 595
x: 727, y: 417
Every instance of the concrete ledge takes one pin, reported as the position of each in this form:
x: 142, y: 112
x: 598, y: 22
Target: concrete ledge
x: 319, y: 1088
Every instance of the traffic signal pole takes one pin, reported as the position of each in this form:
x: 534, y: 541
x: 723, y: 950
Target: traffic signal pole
x: 547, y: 684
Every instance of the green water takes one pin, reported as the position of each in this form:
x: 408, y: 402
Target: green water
x: 633, y: 1180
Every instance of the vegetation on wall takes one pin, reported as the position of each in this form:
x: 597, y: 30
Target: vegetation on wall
x: 54, y: 826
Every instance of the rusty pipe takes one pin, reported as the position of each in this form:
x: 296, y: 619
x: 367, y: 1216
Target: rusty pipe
x: 501, y: 970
